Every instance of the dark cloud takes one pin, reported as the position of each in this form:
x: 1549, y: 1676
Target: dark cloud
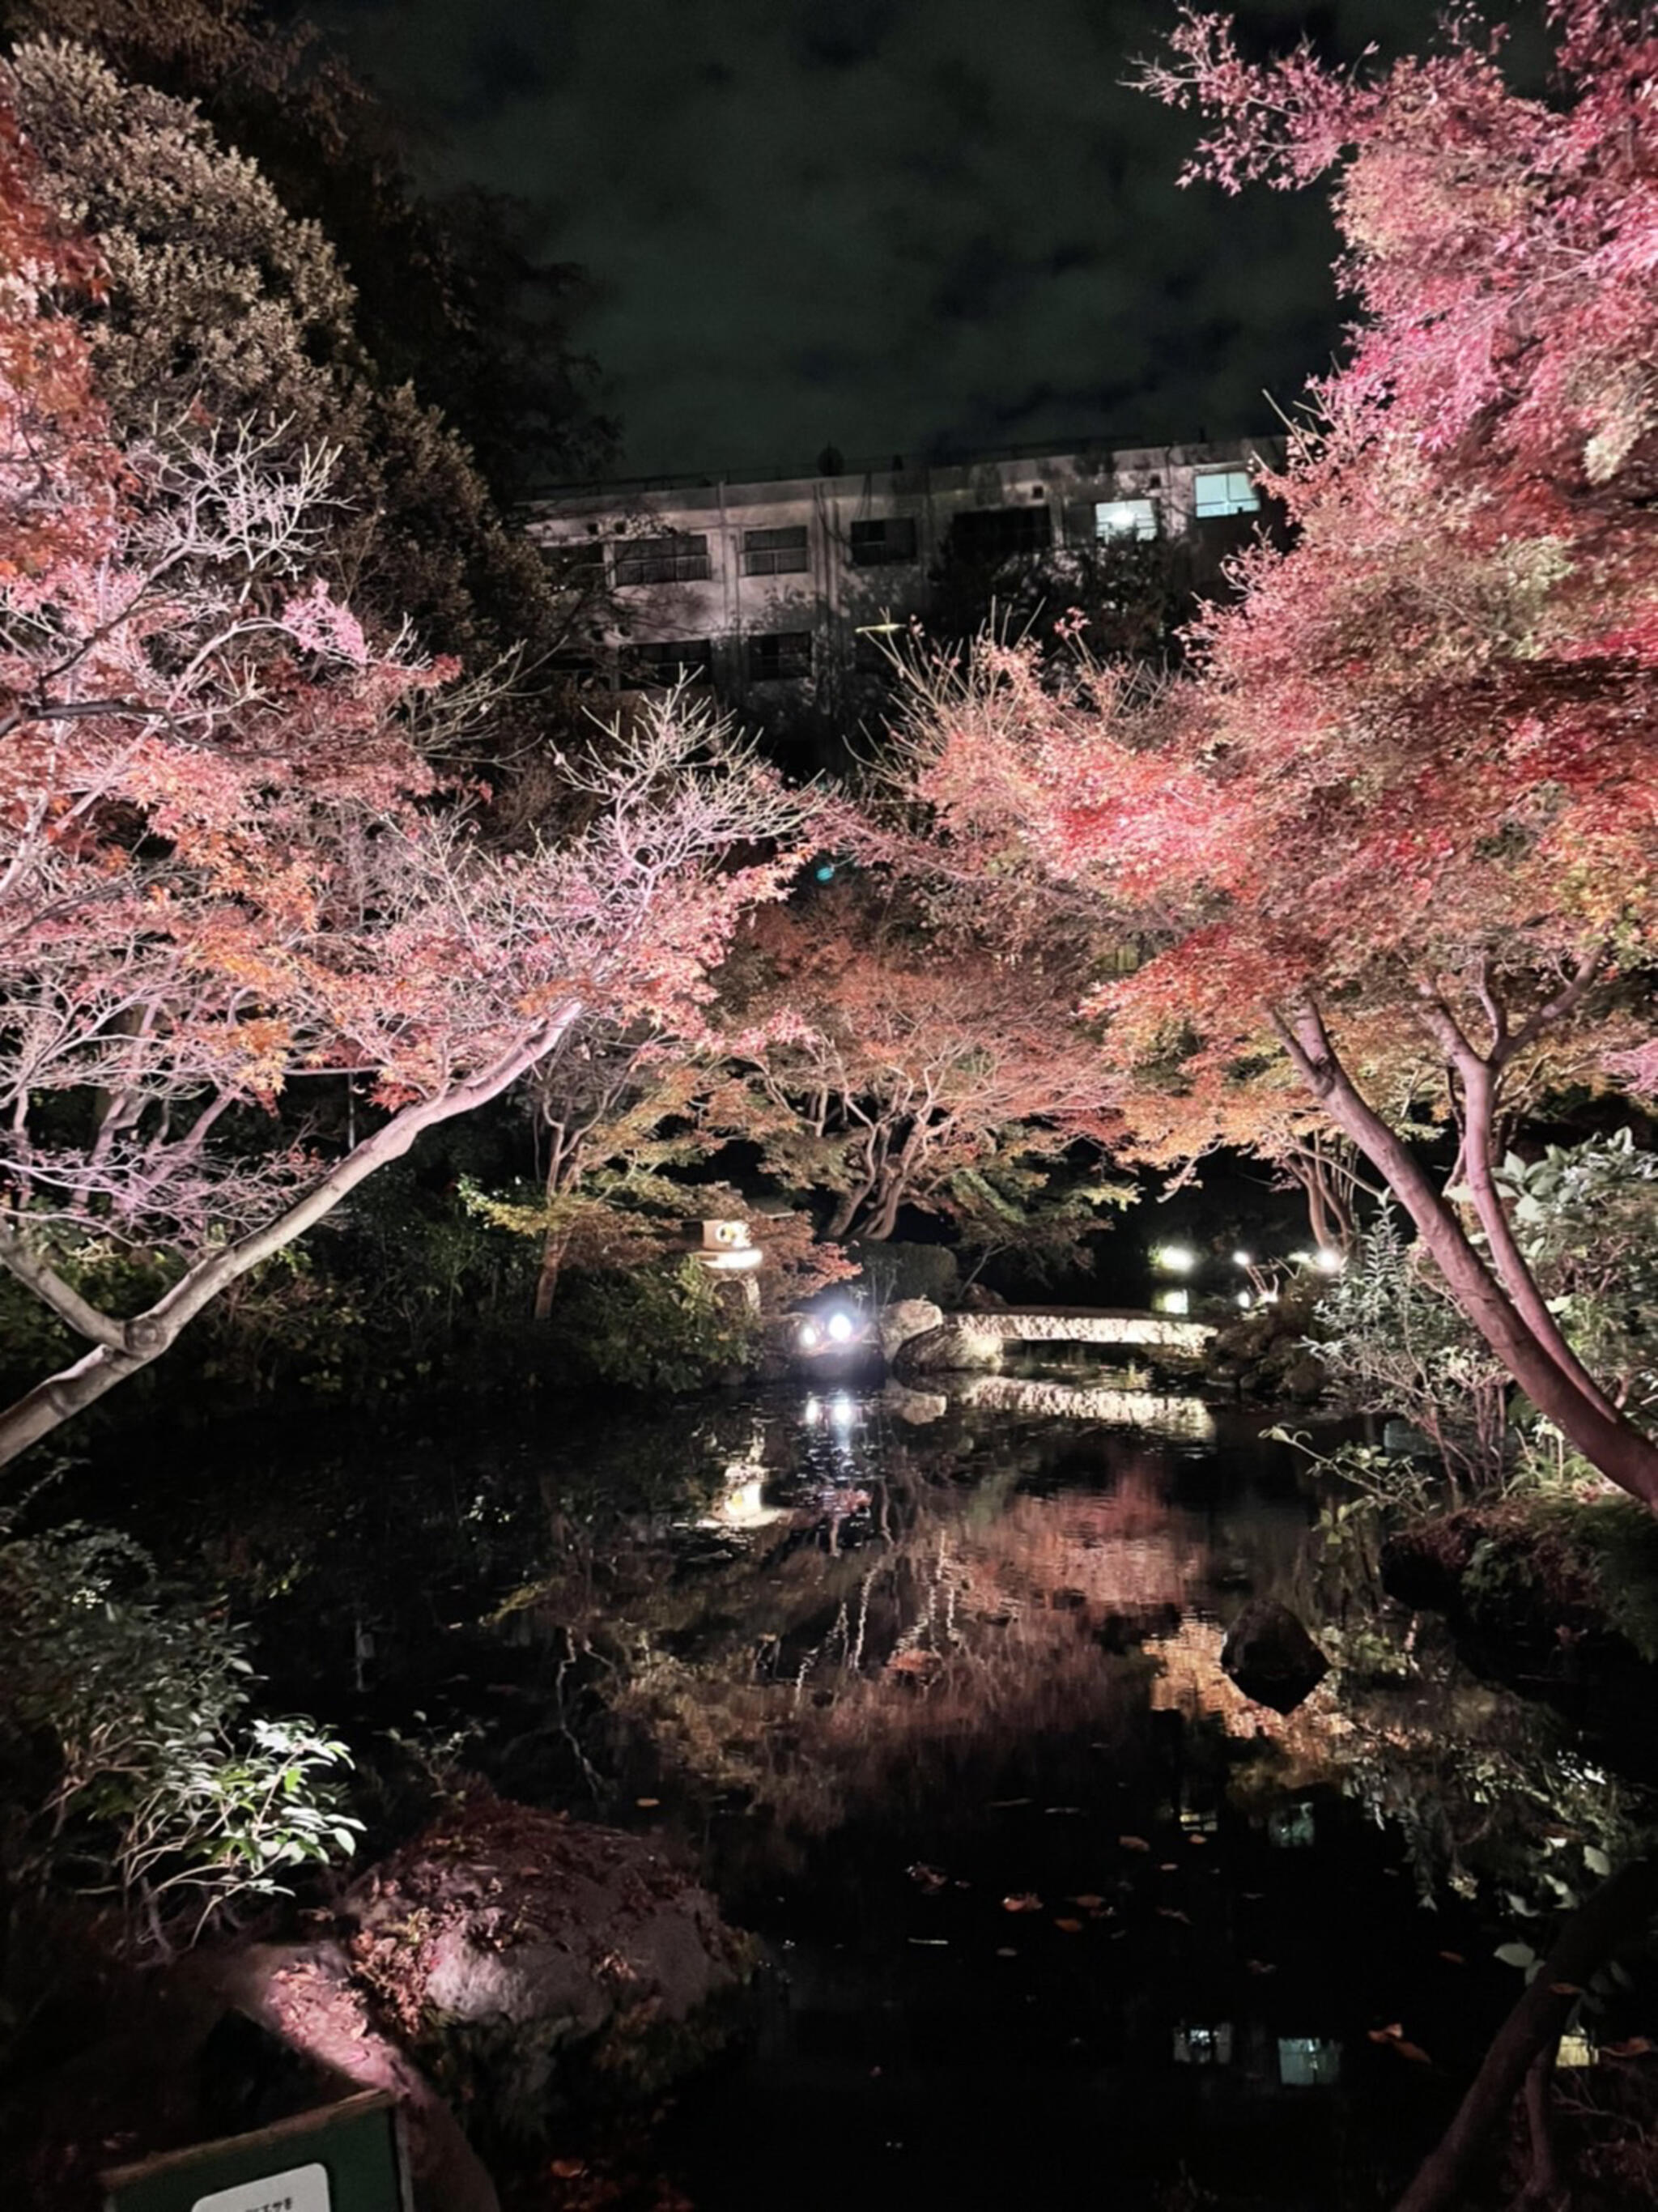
x: 896, y: 224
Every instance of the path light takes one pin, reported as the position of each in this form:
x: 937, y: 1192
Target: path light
x: 1245, y: 1300
x: 809, y: 1333
x: 1242, y: 1260
x: 1173, y: 1302
x: 841, y: 1327
x: 1329, y: 1261
x: 1173, y: 1259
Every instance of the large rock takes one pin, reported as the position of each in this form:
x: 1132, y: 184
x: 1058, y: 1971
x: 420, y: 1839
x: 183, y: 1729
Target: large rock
x: 506, y: 1942
x: 956, y: 1348
x: 904, y: 1319
x: 1271, y: 1658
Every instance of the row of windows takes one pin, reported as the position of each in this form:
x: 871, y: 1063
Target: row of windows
x: 773, y: 656
x: 983, y: 535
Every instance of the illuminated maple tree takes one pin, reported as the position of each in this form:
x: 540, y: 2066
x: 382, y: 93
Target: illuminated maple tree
x: 904, y: 1065
x: 229, y: 869
x: 1394, y: 850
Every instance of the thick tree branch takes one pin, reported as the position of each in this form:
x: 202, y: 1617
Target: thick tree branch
x: 1617, y: 1913
x: 49, y: 1286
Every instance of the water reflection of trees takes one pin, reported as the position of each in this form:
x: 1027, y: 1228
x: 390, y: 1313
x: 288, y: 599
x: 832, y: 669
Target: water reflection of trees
x: 915, y: 1602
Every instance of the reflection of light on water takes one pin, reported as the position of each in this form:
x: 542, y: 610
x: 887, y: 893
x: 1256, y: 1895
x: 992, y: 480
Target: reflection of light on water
x: 1172, y: 1301
x: 1308, y: 2062
x: 811, y: 1413
x: 1188, y: 1419
x: 741, y: 1504
x: 841, y: 1413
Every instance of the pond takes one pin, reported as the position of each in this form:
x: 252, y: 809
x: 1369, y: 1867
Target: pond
x: 926, y: 1688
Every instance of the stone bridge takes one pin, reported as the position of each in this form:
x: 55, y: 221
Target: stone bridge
x: 1088, y: 1325
x: 922, y: 1341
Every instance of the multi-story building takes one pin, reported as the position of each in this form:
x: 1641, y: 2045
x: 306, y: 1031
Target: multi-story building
x: 766, y: 587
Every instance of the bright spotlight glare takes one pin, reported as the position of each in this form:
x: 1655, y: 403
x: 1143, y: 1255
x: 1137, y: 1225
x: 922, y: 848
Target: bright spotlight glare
x: 1329, y: 1261
x: 809, y: 1333
x: 1174, y: 1259
x: 1241, y: 1260
x: 810, y: 1411
x: 841, y: 1327
x: 1245, y: 1300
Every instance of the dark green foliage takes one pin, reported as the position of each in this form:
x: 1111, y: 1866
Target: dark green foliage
x: 133, y: 1760
x: 653, y: 1329
x: 894, y: 1271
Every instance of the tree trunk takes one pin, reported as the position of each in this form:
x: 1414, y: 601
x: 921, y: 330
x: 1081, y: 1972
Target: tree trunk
x: 1615, y: 1915
x: 144, y: 1337
x: 1479, y: 1103
x: 1608, y: 1440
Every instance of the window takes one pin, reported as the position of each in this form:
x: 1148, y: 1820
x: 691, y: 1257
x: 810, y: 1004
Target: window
x: 1223, y: 491
x: 1126, y: 518
x: 576, y: 566
x: 681, y: 558
x: 989, y: 534
x: 685, y: 660
x: 583, y: 670
x: 774, y: 552
x: 782, y: 656
x: 883, y: 544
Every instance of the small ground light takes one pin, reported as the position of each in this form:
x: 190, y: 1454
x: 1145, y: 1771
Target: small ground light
x: 1245, y: 1300
x: 1242, y: 1260
x: 840, y: 1328
x: 1173, y: 1259
x: 1328, y: 1260
x: 809, y: 1335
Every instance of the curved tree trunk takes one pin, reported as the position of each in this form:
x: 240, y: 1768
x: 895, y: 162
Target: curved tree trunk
x: 1607, y: 1439
x: 120, y: 1349
x: 1615, y: 1916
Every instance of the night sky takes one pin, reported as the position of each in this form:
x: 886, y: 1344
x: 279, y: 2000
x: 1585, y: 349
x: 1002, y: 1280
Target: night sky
x: 893, y: 226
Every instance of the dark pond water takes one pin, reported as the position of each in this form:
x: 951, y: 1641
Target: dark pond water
x: 927, y: 1689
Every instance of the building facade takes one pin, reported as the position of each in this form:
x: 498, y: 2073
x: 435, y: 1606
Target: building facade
x: 768, y: 588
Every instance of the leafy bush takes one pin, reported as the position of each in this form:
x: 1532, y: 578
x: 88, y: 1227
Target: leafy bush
x: 1393, y: 1342
x: 892, y: 1271
x: 135, y: 1764
x: 652, y: 1329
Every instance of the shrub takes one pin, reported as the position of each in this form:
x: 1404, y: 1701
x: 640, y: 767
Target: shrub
x: 139, y: 1769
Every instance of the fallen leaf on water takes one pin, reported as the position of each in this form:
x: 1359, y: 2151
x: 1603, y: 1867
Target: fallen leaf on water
x: 1412, y: 2051
x: 1169, y: 1866
x: 567, y: 2169
x: 1133, y: 1843
x: 1455, y: 1958
x: 1565, y: 1989
x: 1088, y: 1901
x: 1071, y: 1927
x: 1197, y: 1842
x: 1636, y: 2047
x: 1174, y: 1913
x: 648, y: 1804
x: 1026, y: 1901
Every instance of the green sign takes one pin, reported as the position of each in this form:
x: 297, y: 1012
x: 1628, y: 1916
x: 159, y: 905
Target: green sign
x: 344, y: 2158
